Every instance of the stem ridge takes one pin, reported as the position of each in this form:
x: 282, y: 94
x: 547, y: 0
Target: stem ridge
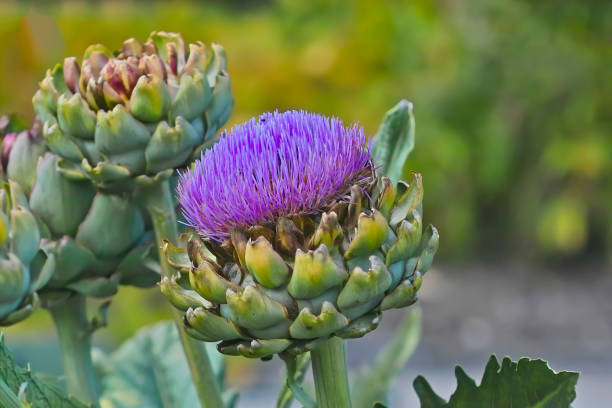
x: 330, y: 374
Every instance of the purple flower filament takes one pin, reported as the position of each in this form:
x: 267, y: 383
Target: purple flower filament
x: 281, y: 164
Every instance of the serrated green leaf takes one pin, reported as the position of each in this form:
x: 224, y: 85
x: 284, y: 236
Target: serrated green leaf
x: 150, y: 370
x: 21, y: 382
x: 374, y: 380
x: 394, y: 140
x: 528, y: 383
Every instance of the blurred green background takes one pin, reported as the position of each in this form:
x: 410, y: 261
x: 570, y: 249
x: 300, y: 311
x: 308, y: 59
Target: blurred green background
x: 513, y: 101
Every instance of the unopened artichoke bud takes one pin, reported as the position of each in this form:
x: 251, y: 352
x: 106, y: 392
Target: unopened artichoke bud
x: 47, y: 214
x: 312, y: 244
x: 25, y: 267
x: 137, y: 112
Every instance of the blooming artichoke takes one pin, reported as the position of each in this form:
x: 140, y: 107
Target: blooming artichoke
x: 294, y: 238
x: 139, y: 111
x: 96, y: 240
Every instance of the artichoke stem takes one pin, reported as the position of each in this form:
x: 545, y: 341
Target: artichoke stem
x: 330, y: 375
x: 74, y: 336
x: 161, y: 209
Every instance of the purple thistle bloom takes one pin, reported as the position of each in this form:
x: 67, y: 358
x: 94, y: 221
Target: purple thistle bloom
x: 283, y: 164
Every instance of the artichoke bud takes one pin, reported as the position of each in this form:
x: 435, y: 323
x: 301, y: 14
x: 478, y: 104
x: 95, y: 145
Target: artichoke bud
x: 150, y: 99
x: 266, y: 265
x: 163, y: 88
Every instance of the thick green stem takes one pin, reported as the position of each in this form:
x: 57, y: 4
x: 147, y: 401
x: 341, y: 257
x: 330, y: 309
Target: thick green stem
x: 70, y: 318
x: 161, y: 209
x: 330, y: 376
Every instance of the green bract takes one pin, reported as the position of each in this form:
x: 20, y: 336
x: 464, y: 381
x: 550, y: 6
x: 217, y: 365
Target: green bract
x: 141, y: 110
x: 286, y: 286
x: 75, y: 238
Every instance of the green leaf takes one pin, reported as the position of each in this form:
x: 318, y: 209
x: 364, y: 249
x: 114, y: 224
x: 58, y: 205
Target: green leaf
x: 29, y: 390
x: 394, y: 140
x: 374, y: 381
x: 150, y: 370
x: 524, y: 384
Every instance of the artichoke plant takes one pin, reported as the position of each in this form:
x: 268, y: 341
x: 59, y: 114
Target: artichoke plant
x: 121, y: 123
x: 138, y: 111
x: 294, y: 238
x: 97, y: 240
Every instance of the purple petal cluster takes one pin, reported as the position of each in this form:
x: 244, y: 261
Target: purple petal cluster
x: 281, y: 164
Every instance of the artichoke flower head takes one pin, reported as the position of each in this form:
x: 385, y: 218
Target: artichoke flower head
x: 295, y: 238
x: 138, y: 111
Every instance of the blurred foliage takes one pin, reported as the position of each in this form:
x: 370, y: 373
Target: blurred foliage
x: 512, y: 99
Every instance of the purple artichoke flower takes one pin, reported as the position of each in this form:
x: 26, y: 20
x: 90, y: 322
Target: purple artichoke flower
x: 308, y: 240
x: 282, y: 164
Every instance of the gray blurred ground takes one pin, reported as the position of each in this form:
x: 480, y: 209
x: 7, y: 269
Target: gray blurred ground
x: 563, y: 316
